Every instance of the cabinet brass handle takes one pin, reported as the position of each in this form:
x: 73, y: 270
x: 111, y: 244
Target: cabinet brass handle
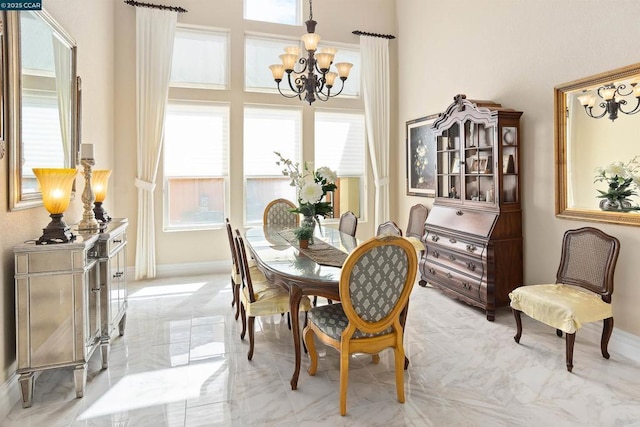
x: 95, y: 289
x: 452, y: 258
x: 435, y: 238
x: 118, y: 274
x: 466, y: 285
x: 459, y: 213
x: 432, y: 271
x: 449, y: 275
x: 452, y: 240
x: 436, y: 254
x: 117, y: 240
x: 471, y: 248
x: 471, y: 266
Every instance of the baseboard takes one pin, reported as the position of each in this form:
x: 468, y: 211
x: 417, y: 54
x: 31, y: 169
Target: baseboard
x: 186, y: 269
x: 623, y: 343
x: 9, y: 394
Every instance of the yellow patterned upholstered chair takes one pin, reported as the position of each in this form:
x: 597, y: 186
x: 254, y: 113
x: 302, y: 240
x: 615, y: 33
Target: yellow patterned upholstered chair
x: 260, y: 298
x: 375, y: 283
x: 277, y: 213
x: 582, y: 292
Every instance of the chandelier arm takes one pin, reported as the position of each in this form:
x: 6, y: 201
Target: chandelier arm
x: 634, y: 111
x: 295, y: 94
x: 330, y: 95
x: 589, y: 111
x: 298, y: 88
x: 622, y: 87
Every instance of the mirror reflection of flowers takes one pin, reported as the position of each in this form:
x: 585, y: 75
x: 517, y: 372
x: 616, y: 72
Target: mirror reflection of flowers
x: 619, y: 177
x: 420, y: 161
x: 311, y: 185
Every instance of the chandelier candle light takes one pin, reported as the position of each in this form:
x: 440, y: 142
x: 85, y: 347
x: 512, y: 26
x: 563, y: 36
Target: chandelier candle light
x: 88, y: 222
x: 315, y: 75
x: 613, y: 97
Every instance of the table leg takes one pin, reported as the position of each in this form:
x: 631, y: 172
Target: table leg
x: 295, y: 296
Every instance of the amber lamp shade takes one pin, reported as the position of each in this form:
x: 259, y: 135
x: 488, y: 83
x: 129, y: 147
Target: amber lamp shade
x: 55, y: 186
x: 99, y: 183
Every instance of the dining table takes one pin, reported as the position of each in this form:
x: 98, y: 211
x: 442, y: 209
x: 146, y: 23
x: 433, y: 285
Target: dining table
x: 312, y: 271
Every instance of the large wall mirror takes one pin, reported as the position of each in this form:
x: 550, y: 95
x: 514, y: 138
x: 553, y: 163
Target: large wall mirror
x: 42, y: 100
x: 585, y: 143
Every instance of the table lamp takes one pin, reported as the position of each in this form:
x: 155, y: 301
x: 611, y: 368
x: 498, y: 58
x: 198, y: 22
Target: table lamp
x: 55, y: 185
x: 99, y: 183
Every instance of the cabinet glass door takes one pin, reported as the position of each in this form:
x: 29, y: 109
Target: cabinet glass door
x: 509, y: 142
x: 479, y: 182
x: 449, y: 163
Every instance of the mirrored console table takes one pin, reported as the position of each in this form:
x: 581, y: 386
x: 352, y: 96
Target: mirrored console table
x: 69, y: 299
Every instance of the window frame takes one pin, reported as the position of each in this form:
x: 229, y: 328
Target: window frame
x: 166, y: 226
x: 298, y: 17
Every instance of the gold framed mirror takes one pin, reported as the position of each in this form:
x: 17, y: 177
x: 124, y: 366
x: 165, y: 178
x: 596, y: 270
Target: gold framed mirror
x: 42, y: 101
x: 594, y: 136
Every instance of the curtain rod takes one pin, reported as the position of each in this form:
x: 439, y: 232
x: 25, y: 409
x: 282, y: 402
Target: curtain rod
x: 156, y: 6
x: 384, y: 36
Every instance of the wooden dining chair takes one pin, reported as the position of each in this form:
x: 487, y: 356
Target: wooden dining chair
x: 236, y: 277
x: 375, y: 284
x: 279, y: 212
x: 389, y: 228
x: 348, y: 223
x: 260, y: 297
x: 582, y: 292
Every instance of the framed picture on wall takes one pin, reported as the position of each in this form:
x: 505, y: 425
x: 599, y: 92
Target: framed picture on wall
x: 2, y: 86
x: 421, y: 157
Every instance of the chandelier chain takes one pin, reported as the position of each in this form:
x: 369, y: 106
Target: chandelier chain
x: 310, y: 9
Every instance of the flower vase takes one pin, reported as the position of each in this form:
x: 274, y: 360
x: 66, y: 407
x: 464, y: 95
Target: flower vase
x: 615, y: 204
x: 309, y: 221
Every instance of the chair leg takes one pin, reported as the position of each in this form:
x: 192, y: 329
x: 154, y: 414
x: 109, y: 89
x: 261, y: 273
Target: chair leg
x: 315, y: 300
x: 236, y: 293
x: 606, y: 334
x: 516, y: 314
x: 571, y: 339
x: 344, y: 376
x: 559, y: 332
x: 289, y: 320
x: 304, y: 325
x: 244, y: 320
x: 233, y: 293
x: 399, y: 362
x: 251, y: 331
x: 308, y: 334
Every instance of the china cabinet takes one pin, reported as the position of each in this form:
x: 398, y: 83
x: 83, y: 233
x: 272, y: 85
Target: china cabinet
x: 69, y: 297
x: 473, y: 234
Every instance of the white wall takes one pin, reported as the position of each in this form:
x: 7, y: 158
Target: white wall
x: 514, y: 52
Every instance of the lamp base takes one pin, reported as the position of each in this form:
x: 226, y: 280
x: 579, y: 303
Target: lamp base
x: 100, y: 213
x: 56, y: 232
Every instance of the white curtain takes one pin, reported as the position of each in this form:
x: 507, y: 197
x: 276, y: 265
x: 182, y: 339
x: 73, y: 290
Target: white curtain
x: 155, y: 29
x: 374, y: 52
x: 62, y: 64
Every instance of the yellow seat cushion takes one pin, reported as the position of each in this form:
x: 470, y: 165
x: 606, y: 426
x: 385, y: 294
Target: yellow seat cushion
x: 417, y: 244
x: 254, y: 271
x: 560, y: 306
x: 270, y: 299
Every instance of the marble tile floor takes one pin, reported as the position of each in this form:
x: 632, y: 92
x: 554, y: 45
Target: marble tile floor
x: 181, y: 363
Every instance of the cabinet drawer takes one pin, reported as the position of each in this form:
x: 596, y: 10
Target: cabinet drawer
x: 465, y: 221
x: 473, y: 266
x: 50, y: 261
x: 449, y: 242
x: 111, y: 245
x: 465, y: 285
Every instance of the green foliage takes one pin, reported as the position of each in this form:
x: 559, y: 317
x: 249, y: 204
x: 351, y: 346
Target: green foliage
x: 303, y: 233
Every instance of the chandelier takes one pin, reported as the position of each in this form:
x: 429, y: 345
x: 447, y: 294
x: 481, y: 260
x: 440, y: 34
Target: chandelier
x: 613, y: 97
x: 314, y: 78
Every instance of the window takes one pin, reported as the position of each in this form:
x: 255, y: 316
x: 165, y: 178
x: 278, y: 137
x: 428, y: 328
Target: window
x: 41, y: 135
x: 340, y: 145
x: 286, y: 12
x: 259, y: 53
x: 196, y: 165
x: 267, y: 130
x: 200, y: 59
